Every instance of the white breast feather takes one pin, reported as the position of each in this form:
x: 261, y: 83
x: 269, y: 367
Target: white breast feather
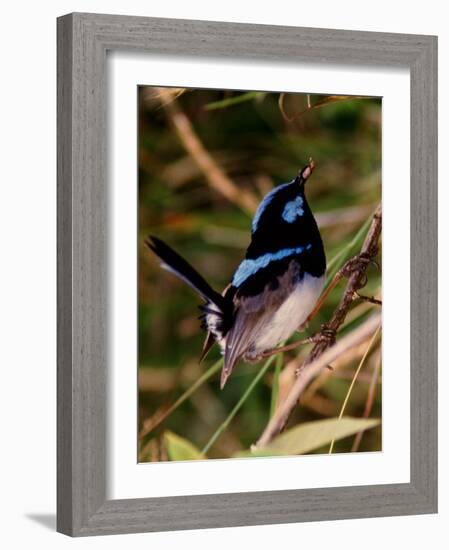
x: 292, y: 313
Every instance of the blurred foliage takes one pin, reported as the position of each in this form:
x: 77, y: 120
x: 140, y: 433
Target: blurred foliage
x: 258, y: 140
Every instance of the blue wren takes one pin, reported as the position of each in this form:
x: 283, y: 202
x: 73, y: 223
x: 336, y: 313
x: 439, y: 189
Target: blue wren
x: 275, y: 287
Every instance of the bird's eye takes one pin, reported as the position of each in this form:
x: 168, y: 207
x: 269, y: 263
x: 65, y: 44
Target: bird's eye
x: 293, y: 210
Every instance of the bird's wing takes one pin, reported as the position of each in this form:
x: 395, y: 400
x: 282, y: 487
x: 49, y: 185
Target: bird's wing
x: 252, y: 314
x: 240, y: 338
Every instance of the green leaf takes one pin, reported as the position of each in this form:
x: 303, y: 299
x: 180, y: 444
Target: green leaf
x: 312, y: 435
x: 179, y: 448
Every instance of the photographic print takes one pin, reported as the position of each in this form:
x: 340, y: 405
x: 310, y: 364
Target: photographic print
x: 256, y: 243
x: 259, y: 290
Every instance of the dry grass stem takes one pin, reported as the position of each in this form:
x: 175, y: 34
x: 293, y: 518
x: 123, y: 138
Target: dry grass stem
x: 213, y: 173
x: 310, y: 106
x: 351, y: 355
x: 354, y: 379
x: 369, y: 399
x: 354, y: 338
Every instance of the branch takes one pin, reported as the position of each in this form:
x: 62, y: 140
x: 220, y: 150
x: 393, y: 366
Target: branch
x: 356, y: 269
x: 354, y: 338
x: 213, y: 173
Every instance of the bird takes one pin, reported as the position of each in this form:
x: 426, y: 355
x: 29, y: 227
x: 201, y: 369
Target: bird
x: 274, y: 288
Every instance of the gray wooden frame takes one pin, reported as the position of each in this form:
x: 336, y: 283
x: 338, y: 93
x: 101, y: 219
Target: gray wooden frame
x: 83, y: 40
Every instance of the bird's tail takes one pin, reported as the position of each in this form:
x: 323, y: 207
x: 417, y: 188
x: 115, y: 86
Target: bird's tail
x: 173, y: 262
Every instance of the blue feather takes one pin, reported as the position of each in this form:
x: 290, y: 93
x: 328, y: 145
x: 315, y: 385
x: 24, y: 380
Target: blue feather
x: 251, y: 266
x: 266, y: 201
x: 293, y: 209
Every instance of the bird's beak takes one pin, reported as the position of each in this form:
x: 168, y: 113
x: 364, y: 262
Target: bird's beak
x: 304, y: 174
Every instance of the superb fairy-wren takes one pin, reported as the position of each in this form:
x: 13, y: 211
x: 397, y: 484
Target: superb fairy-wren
x: 275, y: 287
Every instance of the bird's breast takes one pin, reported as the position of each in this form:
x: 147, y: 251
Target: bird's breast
x: 291, y: 314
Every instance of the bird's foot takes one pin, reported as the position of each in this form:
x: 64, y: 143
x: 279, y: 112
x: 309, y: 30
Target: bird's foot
x: 326, y: 335
x: 253, y: 356
x: 358, y: 264
x: 325, y: 338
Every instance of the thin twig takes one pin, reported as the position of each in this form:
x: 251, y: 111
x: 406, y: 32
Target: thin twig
x: 354, y: 338
x: 289, y: 347
x: 214, y: 175
x: 370, y: 299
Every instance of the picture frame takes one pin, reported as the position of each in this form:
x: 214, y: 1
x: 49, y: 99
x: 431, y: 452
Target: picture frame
x: 83, y: 42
